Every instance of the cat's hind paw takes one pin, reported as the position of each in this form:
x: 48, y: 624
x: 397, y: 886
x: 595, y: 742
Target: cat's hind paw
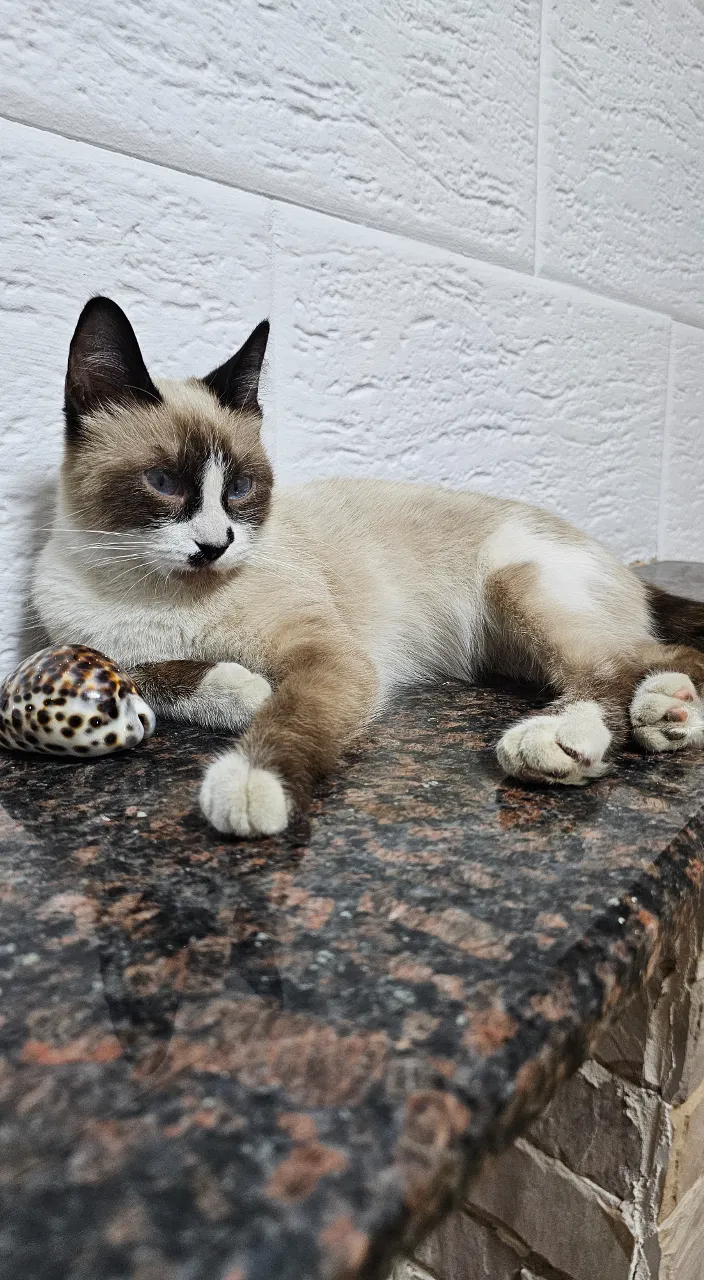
x: 567, y: 748
x: 666, y: 713
x: 241, y: 800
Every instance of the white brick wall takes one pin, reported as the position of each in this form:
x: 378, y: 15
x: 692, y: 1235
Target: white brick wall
x: 495, y: 275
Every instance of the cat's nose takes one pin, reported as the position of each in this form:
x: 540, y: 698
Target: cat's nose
x: 212, y: 551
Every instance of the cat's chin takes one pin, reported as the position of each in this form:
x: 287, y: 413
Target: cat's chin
x: 207, y: 575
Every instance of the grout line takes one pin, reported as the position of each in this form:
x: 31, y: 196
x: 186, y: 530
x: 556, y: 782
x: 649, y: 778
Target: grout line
x: 539, y: 220
x: 274, y: 311
x: 442, y: 246
x: 618, y: 299
x: 665, y: 452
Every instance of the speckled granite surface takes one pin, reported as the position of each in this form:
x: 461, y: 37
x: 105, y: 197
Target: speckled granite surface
x: 278, y: 1061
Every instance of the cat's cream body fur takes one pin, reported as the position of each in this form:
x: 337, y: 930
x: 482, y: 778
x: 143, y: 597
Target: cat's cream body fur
x: 336, y: 593
x: 401, y: 567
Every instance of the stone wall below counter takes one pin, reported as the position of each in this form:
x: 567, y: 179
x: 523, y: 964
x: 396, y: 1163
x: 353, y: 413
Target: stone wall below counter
x: 608, y: 1183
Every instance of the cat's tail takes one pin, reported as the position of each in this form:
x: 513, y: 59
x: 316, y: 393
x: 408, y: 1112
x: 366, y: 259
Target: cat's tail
x: 676, y: 619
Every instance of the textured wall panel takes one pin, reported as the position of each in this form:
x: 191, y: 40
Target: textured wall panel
x: 409, y: 362
x: 622, y: 172
x: 682, y: 512
x: 410, y: 114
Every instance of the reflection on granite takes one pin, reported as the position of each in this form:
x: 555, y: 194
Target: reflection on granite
x: 280, y: 1060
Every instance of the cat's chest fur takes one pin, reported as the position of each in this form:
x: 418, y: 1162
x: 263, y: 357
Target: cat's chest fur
x: 131, y: 631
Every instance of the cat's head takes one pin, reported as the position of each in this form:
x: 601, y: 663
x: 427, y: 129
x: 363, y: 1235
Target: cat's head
x: 164, y: 478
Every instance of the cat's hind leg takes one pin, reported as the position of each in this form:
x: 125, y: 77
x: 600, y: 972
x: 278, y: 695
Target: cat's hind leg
x: 590, y: 643
x: 652, y: 690
x: 667, y: 709
x: 567, y: 747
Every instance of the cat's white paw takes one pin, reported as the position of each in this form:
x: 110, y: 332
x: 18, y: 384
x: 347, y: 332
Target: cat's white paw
x: 568, y: 748
x: 228, y: 696
x: 240, y: 800
x: 666, y: 713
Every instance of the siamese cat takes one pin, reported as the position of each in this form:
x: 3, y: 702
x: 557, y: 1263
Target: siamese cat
x: 291, y: 614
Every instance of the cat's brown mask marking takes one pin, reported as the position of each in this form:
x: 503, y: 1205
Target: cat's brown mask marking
x: 120, y: 424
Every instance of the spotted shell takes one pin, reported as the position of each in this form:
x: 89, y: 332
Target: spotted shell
x: 72, y: 701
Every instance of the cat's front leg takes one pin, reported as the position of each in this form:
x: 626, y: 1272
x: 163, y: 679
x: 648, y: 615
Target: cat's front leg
x: 218, y: 695
x: 326, y: 690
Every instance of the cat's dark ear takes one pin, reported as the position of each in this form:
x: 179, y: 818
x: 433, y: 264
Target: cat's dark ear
x: 236, y: 382
x: 105, y: 364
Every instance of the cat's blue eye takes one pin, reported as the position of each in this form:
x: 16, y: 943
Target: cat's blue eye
x: 239, y: 488
x: 164, y: 482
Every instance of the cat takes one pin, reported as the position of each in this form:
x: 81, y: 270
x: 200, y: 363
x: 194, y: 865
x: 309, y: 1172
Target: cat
x: 292, y: 614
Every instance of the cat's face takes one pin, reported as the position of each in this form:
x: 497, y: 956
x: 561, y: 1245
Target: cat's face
x: 166, y: 478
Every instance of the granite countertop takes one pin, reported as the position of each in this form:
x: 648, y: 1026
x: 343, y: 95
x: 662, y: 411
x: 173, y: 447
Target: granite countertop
x: 281, y: 1060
